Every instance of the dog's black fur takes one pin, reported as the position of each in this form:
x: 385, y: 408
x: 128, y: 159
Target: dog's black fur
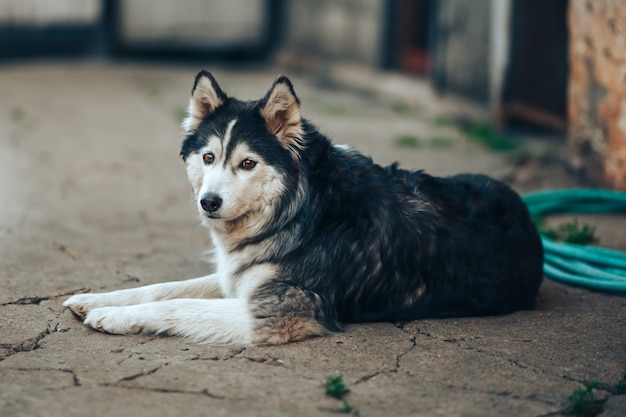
x: 372, y: 243
x: 472, y: 246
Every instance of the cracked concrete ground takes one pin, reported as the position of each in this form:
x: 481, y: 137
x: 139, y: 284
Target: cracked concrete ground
x: 93, y: 197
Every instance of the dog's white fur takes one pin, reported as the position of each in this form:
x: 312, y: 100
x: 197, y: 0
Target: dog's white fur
x: 213, y: 309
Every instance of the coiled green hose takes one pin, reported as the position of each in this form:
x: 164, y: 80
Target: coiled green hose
x: 587, y: 266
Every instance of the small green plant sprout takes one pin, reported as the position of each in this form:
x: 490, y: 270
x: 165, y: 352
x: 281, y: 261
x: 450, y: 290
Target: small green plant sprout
x: 336, y: 388
x: 620, y: 387
x: 582, y: 403
x: 570, y: 232
x: 345, y: 407
x: 406, y: 141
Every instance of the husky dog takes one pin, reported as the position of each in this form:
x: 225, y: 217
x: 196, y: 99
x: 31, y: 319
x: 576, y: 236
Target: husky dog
x: 309, y: 236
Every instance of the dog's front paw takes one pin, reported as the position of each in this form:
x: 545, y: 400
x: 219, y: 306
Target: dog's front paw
x: 114, y: 320
x: 81, y: 304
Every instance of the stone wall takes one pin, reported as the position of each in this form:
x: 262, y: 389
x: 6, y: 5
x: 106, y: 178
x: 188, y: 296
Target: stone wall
x: 597, y: 90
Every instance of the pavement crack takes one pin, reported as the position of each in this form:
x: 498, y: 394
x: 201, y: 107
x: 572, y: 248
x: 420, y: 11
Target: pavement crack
x: 608, y: 388
x: 400, y: 356
x: 266, y: 359
x: 140, y: 374
x: 31, y: 343
x: 206, y: 358
x: 367, y: 377
x: 26, y: 300
x: 520, y: 365
x: 205, y: 392
x: 69, y: 252
x: 506, y: 394
x: 234, y: 353
x: 75, y: 379
x: 569, y: 378
x: 413, y: 332
x: 25, y: 345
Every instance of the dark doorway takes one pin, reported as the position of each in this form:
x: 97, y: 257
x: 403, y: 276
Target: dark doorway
x: 535, y: 85
x: 408, y: 36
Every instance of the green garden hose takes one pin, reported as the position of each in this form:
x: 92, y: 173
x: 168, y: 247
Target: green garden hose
x: 587, y: 266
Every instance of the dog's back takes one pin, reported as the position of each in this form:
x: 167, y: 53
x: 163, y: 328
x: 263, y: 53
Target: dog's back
x: 390, y: 244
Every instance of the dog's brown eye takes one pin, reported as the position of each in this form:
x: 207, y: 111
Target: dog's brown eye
x: 248, y: 164
x: 208, y: 158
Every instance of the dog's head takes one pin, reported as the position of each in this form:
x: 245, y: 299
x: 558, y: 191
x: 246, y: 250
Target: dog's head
x: 241, y: 155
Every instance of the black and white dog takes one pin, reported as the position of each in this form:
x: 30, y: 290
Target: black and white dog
x: 309, y: 235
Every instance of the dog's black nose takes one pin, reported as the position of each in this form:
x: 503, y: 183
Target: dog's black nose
x: 211, y: 202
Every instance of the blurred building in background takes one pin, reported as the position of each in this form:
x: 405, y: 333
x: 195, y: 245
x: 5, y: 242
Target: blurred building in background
x: 597, y: 90
x: 558, y: 64
x: 235, y: 28
x: 31, y: 27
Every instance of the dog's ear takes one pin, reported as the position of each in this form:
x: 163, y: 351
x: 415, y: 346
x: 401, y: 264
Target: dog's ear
x: 206, y: 96
x: 281, y: 111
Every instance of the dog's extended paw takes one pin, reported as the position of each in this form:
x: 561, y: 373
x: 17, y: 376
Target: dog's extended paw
x: 81, y: 304
x: 114, y: 320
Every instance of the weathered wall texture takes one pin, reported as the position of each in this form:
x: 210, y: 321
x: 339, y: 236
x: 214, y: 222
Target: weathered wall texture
x: 35, y: 12
x: 346, y: 29
x: 216, y: 22
x: 461, y: 49
x: 597, y: 90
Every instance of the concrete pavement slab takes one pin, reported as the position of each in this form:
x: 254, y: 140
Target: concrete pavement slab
x: 94, y: 197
